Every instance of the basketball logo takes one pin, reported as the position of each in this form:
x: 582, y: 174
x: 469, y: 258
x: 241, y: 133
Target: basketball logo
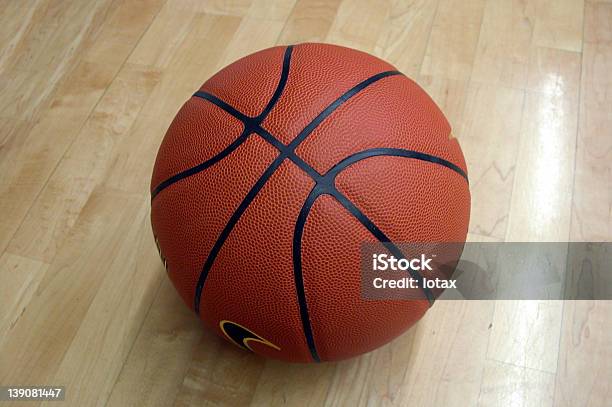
x: 241, y: 336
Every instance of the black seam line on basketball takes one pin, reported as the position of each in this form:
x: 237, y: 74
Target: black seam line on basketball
x: 396, y: 152
x: 297, y: 270
x: 281, y: 85
x: 380, y: 236
x: 230, y: 226
x: 202, y: 166
x: 329, y: 189
x: 335, y: 104
x: 247, y: 121
x: 223, y: 105
x: 298, y: 233
x: 283, y: 149
x: 250, y: 124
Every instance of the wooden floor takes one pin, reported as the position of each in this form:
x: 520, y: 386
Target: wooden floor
x: 87, y: 90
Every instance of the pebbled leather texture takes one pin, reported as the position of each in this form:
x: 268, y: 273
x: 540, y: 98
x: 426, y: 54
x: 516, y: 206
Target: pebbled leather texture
x: 231, y: 211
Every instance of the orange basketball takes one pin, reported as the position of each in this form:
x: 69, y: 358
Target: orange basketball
x: 272, y: 176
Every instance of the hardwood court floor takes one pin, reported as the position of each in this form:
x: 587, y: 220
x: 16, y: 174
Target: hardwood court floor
x: 87, y: 90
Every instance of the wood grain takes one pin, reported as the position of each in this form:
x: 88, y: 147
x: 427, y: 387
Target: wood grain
x: 87, y: 91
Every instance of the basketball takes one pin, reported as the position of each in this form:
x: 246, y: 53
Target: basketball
x: 272, y: 176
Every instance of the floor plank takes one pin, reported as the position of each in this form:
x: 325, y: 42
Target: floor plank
x: 451, y: 48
